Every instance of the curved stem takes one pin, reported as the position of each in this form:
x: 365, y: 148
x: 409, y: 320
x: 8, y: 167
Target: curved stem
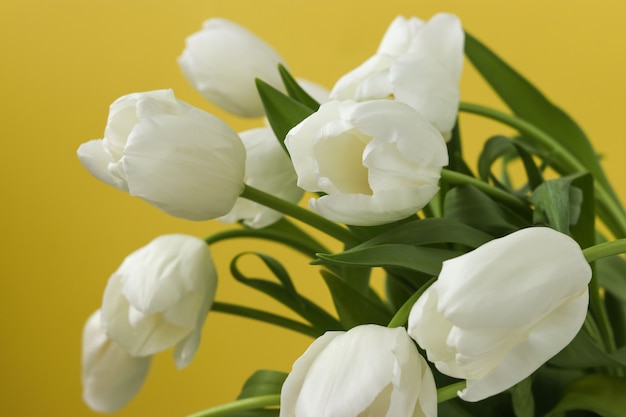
x: 603, y: 197
x: 306, y: 216
x: 453, y: 177
x: 240, y: 405
x: 604, y: 249
x: 308, y: 250
x: 266, y: 317
x: 450, y: 391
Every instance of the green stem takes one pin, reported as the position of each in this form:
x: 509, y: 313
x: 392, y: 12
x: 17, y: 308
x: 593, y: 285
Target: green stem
x: 453, y: 177
x: 266, y: 317
x: 306, y: 216
x: 571, y: 164
x: 605, y: 249
x: 297, y: 244
x: 402, y: 316
x: 240, y: 405
x: 450, y: 391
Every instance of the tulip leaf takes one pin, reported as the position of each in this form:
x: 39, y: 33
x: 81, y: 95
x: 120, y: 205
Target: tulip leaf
x: 415, y: 258
x: 282, y: 111
x: 285, y: 227
x: 284, y: 292
x: 601, y: 394
x: 455, y: 152
x: 522, y: 398
x: 526, y: 101
x: 429, y: 231
x: 467, y: 204
x: 582, y: 353
x: 502, y: 146
x: 295, y: 91
x: 354, y: 308
x: 263, y: 382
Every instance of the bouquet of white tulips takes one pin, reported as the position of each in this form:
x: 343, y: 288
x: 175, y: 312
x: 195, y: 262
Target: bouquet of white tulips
x: 501, y: 296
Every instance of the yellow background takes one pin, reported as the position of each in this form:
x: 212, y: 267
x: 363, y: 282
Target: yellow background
x: 63, y: 62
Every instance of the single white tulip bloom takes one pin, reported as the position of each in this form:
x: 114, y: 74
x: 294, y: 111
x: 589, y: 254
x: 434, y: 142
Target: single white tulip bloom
x: 176, y: 157
x: 111, y: 377
x: 377, y: 161
x: 269, y: 169
x: 160, y: 296
x: 369, y: 370
x: 498, y: 313
x: 222, y: 60
x: 418, y: 63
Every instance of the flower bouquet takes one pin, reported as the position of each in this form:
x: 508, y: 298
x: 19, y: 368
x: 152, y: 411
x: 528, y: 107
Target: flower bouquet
x: 503, y: 289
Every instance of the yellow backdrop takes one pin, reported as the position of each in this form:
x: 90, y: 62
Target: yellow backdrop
x: 63, y: 62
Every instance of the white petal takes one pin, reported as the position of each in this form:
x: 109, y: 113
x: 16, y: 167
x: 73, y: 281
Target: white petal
x: 96, y: 160
x: 363, y: 82
x: 397, y: 39
x: 110, y: 376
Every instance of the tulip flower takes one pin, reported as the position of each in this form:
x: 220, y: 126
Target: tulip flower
x: 111, y: 377
x: 222, y: 60
x: 498, y: 313
x: 269, y: 169
x: 159, y: 297
x: 369, y: 370
x: 418, y: 63
x: 377, y: 161
x: 180, y: 159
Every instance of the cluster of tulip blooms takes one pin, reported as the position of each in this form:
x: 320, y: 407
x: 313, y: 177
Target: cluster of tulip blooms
x: 501, y: 299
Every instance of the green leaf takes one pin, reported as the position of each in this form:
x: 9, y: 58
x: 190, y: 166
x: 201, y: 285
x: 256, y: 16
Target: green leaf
x: 500, y: 146
x: 353, y: 308
x: 282, y: 111
x: 427, y: 232
x: 467, y: 204
x: 455, y: 152
x: 284, y: 292
x: 263, y: 382
x: 526, y: 101
x: 285, y: 227
x: 601, y: 394
x: 559, y: 203
x: 582, y: 353
x: 415, y: 258
x: 522, y: 398
x: 295, y: 91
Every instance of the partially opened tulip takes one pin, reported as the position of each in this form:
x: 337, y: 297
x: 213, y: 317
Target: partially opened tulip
x: 222, y: 60
x: 269, y: 169
x: 498, y: 313
x: 377, y: 161
x: 111, y: 377
x: 418, y: 63
x: 176, y: 157
x: 160, y: 296
x: 369, y: 370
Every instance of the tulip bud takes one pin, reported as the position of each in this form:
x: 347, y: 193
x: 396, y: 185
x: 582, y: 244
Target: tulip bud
x: 111, y: 377
x: 269, y: 169
x: 498, y: 313
x: 377, y: 161
x: 159, y: 297
x: 222, y: 60
x: 369, y: 370
x: 180, y: 159
x: 418, y: 63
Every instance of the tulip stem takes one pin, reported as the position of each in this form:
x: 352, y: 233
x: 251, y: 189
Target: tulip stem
x: 402, y: 316
x: 609, y: 206
x: 605, y: 249
x: 306, y: 216
x: 450, y: 391
x: 453, y: 177
x: 244, y: 404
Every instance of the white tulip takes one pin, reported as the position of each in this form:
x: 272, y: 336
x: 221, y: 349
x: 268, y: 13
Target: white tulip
x: 160, y: 296
x: 176, y: 157
x: 222, y: 60
x: 418, y: 63
x: 269, y: 169
x: 111, y: 377
x: 377, y: 161
x: 369, y: 370
x: 498, y: 313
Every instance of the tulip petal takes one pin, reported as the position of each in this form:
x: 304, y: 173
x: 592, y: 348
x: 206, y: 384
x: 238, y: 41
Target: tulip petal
x: 96, y: 160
